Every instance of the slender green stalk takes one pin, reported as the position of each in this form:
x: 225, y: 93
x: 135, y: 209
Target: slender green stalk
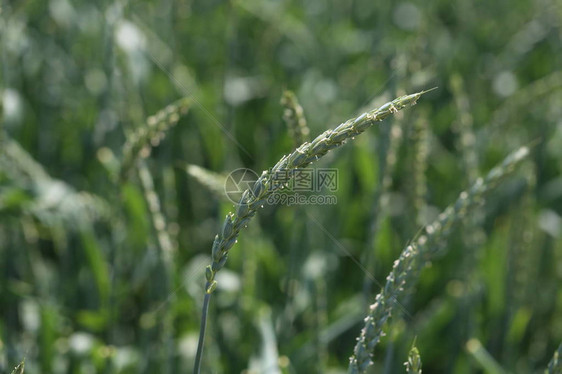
x: 205, y: 312
x: 380, y: 211
x: 277, y: 177
x: 473, y: 234
x: 421, y: 152
x: 405, y: 270
x: 484, y: 359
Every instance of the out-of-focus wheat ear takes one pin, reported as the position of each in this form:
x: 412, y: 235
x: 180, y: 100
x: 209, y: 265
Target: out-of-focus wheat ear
x: 555, y: 364
x: 414, y: 363
x: 420, y: 137
x: 464, y: 128
x: 154, y: 207
x: 214, y: 182
x: 140, y: 141
x: 54, y: 200
x: 170, y: 204
x: 525, y: 96
x: 20, y: 368
x: 473, y: 235
x: 413, y: 258
x: 294, y: 118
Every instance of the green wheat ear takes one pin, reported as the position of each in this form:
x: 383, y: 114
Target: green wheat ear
x: 293, y: 115
x: 555, y: 365
x: 274, y: 179
x: 139, y: 142
x: 414, y: 363
x: 414, y: 257
x: 20, y: 368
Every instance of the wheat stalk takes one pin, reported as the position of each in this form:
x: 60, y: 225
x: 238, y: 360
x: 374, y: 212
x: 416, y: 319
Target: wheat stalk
x: 473, y: 234
x: 274, y: 179
x: 420, y: 137
x: 389, y: 157
x: 412, y: 259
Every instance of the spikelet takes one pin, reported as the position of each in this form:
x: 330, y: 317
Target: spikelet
x: 555, y: 364
x: 140, y: 142
x: 20, y: 368
x: 294, y: 118
x: 414, y: 363
x: 268, y: 182
x: 154, y: 207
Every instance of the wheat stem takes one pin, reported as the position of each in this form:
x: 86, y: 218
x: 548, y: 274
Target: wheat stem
x: 380, y: 212
x: 205, y: 312
x: 420, y: 137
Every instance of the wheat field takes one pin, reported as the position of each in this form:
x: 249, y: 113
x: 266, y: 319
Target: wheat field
x: 280, y: 187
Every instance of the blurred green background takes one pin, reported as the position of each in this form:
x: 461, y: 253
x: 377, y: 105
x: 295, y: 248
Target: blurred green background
x: 102, y: 274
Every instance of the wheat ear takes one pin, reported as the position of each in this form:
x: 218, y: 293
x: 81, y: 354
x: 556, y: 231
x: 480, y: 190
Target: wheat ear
x: 139, y: 143
x: 20, y: 368
x: 414, y: 363
x: 555, y: 365
x: 293, y: 115
x: 412, y: 259
x: 274, y: 179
